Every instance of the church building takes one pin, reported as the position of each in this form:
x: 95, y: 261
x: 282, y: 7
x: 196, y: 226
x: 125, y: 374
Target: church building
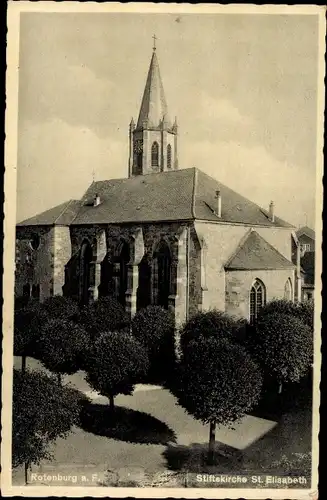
x: 165, y: 234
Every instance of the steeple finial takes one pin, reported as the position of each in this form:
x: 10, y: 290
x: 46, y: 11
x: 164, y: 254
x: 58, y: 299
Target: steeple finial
x: 154, y: 42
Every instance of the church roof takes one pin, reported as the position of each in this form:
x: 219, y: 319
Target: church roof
x: 154, y: 105
x: 255, y: 253
x: 61, y: 215
x: 307, y: 231
x: 185, y: 194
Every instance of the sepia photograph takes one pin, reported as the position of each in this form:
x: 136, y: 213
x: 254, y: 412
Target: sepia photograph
x: 162, y: 264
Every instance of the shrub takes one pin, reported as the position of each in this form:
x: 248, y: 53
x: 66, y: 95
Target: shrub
x: 212, y: 323
x: 303, y: 311
x: 283, y: 345
x: 42, y: 412
x: 116, y: 363
x: 154, y: 327
x: 104, y: 315
x: 62, y: 346
x: 59, y: 307
x: 218, y: 383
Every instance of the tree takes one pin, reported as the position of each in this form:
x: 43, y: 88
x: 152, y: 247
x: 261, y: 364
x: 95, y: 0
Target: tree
x: 303, y: 311
x: 218, y: 383
x: 283, y: 345
x: 59, y: 307
x: 154, y: 327
x: 212, y: 323
x: 42, y: 412
x: 116, y: 363
x: 103, y: 315
x: 26, y: 330
x: 62, y: 346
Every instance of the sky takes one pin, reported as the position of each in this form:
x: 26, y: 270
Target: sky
x: 243, y: 88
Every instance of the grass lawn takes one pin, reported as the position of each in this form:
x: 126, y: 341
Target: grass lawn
x: 154, y: 436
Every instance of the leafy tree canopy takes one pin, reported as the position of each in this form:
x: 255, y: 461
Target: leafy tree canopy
x: 218, y: 380
x: 62, y: 345
x: 212, y: 323
x: 103, y: 315
x: 303, y: 311
x: 117, y: 362
x: 42, y: 412
x: 283, y: 345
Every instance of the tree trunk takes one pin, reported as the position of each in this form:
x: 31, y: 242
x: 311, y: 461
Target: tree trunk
x: 111, y: 402
x: 59, y: 378
x: 23, y: 363
x: 280, y: 387
x: 212, y: 440
x: 26, y: 467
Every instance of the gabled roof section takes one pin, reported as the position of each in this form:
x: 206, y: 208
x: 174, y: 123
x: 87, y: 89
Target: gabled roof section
x: 61, y: 215
x: 255, y: 253
x: 307, y: 231
x: 186, y: 194
x: 164, y: 196
x: 154, y: 106
x: 234, y: 207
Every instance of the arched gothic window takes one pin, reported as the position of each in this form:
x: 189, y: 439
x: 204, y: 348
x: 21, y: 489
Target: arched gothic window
x: 155, y: 155
x: 85, y: 268
x: 169, y: 156
x: 288, y: 292
x: 161, y: 275
x: 123, y: 260
x: 257, y: 299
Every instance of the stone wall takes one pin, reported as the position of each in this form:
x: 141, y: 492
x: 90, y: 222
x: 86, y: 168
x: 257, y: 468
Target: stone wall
x: 35, y: 266
x: 222, y: 241
x: 239, y: 283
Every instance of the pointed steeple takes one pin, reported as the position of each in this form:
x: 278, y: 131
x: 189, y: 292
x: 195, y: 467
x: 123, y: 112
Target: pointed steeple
x: 154, y: 106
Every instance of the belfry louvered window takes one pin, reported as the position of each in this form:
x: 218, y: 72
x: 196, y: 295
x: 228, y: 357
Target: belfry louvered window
x: 257, y: 299
x: 155, y: 155
x: 169, y: 156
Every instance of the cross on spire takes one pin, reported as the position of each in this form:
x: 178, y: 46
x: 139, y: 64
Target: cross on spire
x: 154, y: 42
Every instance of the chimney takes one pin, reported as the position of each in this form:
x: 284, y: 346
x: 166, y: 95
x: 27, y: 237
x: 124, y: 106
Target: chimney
x: 96, y: 200
x: 272, y: 211
x: 218, y: 206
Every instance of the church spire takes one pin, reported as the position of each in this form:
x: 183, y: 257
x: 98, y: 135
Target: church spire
x: 154, y: 108
x: 153, y: 141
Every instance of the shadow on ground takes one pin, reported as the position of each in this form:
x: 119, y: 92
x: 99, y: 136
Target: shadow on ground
x: 125, y: 424
x: 284, y: 449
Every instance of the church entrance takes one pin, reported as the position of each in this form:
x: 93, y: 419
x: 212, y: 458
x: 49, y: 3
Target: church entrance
x: 85, y: 265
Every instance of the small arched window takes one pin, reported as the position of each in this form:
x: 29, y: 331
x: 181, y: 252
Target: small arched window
x: 257, y: 299
x: 288, y: 292
x: 155, y: 155
x: 169, y: 156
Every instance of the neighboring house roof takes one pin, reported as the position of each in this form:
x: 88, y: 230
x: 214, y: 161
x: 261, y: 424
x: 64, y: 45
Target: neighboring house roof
x: 308, y: 265
x: 185, y: 194
x: 61, y: 215
x: 255, y: 253
x: 307, y: 231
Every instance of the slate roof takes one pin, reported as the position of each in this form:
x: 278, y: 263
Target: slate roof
x: 186, y: 194
x: 306, y: 230
x: 255, y: 253
x: 61, y: 215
